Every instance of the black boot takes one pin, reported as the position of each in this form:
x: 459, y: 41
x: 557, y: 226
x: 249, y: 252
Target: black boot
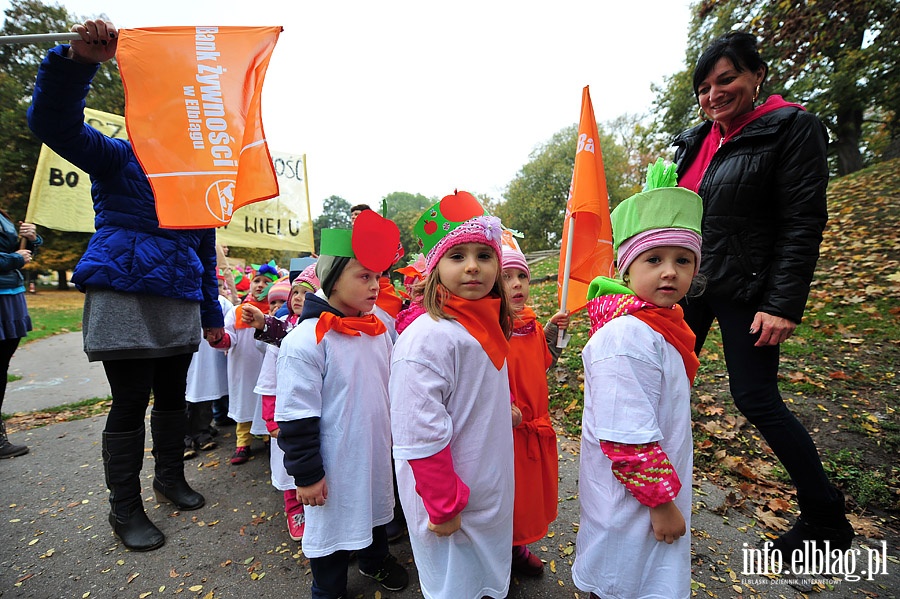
x: 123, y: 456
x: 7, y: 449
x: 168, y: 429
x: 819, y: 521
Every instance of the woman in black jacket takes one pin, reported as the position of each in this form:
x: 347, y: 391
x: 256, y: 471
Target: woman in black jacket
x: 14, y: 319
x: 762, y: 173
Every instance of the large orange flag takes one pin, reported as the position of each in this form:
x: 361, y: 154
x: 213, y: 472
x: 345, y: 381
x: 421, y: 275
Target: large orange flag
x: 194, y: 118
x: 587, y: 217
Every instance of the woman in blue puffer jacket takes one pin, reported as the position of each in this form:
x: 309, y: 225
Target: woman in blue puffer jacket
x: 14, y: 319
x: 147, y: 290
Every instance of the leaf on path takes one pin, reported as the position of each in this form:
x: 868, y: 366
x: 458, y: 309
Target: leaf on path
x: 132, y: 576
x: 770, y: 520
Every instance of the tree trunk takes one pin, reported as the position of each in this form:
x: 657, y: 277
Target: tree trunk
x: 63, y: 279
x: 846, y: 146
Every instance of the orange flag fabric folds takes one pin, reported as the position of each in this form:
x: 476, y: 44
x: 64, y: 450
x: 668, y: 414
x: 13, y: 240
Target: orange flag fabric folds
x: 194, y: 117
x: 587, y: 215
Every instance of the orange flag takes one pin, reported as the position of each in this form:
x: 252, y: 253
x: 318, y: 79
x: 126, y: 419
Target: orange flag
x: 194, y: 118
x: 587, y: 217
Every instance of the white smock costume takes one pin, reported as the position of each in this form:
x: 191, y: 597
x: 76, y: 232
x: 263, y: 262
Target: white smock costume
x: 207, y: 377
x: 636, y: 391
x: 389, y: 321
x: 245, y: 359
x: 446, y: 391
x: 343, y: 381
x: 266, y: 385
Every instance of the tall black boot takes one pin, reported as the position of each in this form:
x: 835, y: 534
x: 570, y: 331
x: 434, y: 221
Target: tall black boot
x: 123, y: 456
x: 820, y: 520
x: 168, y: 429
x: 7, y: 449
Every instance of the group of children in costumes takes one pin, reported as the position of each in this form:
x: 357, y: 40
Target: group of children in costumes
x: 453, y: 389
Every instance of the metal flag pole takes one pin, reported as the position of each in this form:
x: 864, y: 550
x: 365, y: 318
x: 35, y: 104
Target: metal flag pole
x: 39, y: 38
x: 561, y: 338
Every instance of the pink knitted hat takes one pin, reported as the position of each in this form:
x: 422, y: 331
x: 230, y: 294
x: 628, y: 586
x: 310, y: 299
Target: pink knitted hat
x: 481, y: 229
x: 515, y: 259
x: 308, y: 278
x: 635, y: 245
x: 279, y: 291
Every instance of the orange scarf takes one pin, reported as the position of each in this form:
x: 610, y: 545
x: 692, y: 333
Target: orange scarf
x: 523, y: 319
x: 481, y: 318
x: 349, y: 325
x: 670, y: 324
x: 388, y: 300
x: 239, y: 321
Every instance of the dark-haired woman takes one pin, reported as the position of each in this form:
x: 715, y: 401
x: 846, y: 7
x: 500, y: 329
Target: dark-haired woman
x: 14, y: 319
x: 761, y: 171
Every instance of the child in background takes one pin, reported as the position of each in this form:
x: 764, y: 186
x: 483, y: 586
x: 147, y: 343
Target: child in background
x: 244, y: 362
x: 272, y: 330
x: 333, y: 413
x: 414, y: 283
x: 450, y: 408
x: 532, y: 351
x: 639, y: 364
x: 207, y: 382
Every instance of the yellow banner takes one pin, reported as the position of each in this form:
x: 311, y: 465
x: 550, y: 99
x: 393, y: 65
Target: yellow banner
x: 61, y: 198
x: 61, y: 192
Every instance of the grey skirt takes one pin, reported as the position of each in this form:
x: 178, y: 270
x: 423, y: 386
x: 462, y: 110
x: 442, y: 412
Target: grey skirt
x: 126, y: 326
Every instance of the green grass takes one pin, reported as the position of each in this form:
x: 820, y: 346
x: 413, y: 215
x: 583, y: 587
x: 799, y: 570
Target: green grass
x: 12, y: 377
x: 48, y: 322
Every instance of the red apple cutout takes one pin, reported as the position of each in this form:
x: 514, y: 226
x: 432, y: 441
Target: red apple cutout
x: 429, y: 227
x: 375, y: 240
x: 460, y: 207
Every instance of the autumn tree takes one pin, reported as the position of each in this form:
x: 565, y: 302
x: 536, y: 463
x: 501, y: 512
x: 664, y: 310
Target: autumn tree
x: 535, y: 201
x: 18, y: 69
x: 839, y: 59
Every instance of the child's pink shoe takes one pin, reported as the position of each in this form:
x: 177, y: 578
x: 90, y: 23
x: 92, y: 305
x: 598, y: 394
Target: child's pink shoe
x: 296, y: 524
x: 241, y: 455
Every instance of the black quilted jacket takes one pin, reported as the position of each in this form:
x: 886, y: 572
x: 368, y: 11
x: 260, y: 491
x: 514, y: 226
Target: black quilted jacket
x: 764, y: 210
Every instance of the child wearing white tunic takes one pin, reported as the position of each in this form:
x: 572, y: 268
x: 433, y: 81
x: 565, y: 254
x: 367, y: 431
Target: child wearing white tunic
x: 207, y: 381
x: 450, y: 409
x: 271, y: 331
x: 333, y: 414
x: 636, y: 446
x: 245, y: 359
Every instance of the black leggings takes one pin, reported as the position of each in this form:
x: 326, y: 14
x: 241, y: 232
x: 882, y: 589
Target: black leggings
x: 7, y: 349
x: 131, y: 382
x: 753, y: 380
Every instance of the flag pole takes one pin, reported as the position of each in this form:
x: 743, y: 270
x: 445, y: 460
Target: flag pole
x: 38, y: 38
x: 567, y: 269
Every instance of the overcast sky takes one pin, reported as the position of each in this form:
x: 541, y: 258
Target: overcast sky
x: 425, y: 97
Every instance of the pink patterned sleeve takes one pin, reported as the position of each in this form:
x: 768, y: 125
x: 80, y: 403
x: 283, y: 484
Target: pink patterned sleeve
x: 645, y: 470
x: 442, y: 491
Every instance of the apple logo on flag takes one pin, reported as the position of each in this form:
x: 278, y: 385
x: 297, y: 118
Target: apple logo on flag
x: 220, y: 199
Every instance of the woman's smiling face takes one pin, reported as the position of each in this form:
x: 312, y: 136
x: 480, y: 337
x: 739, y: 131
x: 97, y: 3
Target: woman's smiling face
x: 726, y: 93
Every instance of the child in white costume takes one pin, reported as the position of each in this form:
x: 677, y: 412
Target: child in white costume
x: 271, y: 331
x: 245, y: 359
x: 333, y: 413
x: 207, y: 381
x: 636, y: 446
x: 450, y: 409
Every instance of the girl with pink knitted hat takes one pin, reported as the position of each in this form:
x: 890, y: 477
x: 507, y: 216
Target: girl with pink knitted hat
x: 450, y: 408
x: 532, y: 351
x: 639, y: 364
